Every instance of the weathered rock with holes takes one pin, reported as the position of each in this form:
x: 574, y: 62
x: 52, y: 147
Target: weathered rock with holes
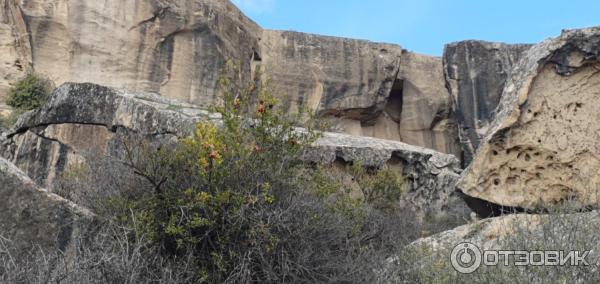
x: 32, y: 217
x: 544, y: 146
x: 176, y: 47
x: 475, y: 73
x: 85, y: 118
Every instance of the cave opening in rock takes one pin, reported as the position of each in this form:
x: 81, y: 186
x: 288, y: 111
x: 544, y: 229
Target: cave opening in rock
x: 255, y: 61
x: 393, y: 108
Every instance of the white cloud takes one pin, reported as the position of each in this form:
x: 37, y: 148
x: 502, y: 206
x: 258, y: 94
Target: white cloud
x: 255, y: 6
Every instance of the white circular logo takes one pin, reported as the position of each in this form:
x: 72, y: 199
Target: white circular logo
x: 465, y: 258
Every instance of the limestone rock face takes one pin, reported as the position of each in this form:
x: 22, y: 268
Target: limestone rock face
x: 543, y: 147
x: 333, y: 76
x: 82, y: 119
x: 426, y: 117
x: 362, y: 88
x: 33, y: 216
x: 475, y: 73
x: 176, y: 47
x: 182, y: 48
x: 15, y: 56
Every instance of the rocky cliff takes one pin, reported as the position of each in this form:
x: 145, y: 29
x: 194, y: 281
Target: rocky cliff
x: 143, y: 45
x: 362, y: 88
x: 181, y: 49
x: 475, y: 74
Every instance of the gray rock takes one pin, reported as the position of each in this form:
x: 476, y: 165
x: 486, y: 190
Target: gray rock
x: 475, y: 73
x: 521, y: 229
x: 87, y: 118
x: 33, y: 217
x: 430, y: 175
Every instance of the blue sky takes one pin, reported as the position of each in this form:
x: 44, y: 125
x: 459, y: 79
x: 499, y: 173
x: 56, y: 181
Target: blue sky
x: 424, y: 26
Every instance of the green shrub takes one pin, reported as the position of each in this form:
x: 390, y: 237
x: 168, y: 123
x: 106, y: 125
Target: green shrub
x: 239, y: 200
x: 30, y: 92
x: 232, y: 203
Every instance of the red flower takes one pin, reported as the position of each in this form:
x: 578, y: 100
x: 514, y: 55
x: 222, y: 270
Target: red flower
x: 213, y: 155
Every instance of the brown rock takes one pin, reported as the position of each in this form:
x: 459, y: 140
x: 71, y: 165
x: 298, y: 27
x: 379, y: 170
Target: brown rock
x: 335, y: 77
x: 178, y: 48
x: 15, y: 56
x: 362, y: 88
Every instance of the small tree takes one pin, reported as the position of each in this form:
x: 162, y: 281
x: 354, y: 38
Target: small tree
x: 30, y: 92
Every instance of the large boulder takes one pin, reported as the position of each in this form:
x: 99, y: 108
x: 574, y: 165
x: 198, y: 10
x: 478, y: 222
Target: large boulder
x: 176, y: 47
x: 543, y: 147
x: 86, y: 119
x: 493, y: 251
x: 475, y: 73
x: 32, y: 217
x: 83, y: 119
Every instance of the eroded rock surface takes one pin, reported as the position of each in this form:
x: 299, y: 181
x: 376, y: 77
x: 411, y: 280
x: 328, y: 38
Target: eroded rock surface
x: 178, y: 48
x: 475, y: 73
x: 338, y: 77
x: 85, y: 118
x: 543, y: 147
x: 362, y: 88
x: 426, y: 118
x: 15, y: 56
x: 182, y: 48
x: 32, y: 216
x: 430, y: 175
x: 82, y: 119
